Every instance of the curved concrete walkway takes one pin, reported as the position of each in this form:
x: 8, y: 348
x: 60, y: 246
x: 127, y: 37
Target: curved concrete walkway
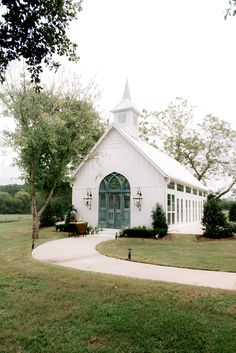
x: 80, y: 253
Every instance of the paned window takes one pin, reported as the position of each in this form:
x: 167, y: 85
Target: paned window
x: 171, y: 185
x: 122, y: 118
x: 189, y: 210
x: 188, y: 190
x: 177, y: 210
x: 114, y: 184
x: 180, y: 187
x: 171, y: 209
x: 186, y: 210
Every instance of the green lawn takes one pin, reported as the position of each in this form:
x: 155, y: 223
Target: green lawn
x: 50, y: 309
x: 180, y: 251
x: 4, y: 218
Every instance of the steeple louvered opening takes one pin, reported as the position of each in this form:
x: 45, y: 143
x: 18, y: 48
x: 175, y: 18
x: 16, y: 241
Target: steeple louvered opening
x: 126, y: 115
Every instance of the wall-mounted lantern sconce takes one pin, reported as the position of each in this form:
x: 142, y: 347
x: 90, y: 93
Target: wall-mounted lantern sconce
x: 138, y: 199
x: 88, y: 198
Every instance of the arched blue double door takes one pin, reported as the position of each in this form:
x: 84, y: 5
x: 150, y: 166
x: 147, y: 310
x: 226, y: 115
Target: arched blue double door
x: 114, y: 202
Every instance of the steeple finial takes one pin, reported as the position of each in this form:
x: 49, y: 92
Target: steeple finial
x: 126, y: 93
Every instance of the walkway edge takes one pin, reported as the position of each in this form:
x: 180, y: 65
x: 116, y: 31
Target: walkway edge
x: 80, y: 253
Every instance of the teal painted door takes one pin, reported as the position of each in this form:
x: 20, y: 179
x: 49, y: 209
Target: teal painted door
x: 114, y: 210
x: 114, y: 202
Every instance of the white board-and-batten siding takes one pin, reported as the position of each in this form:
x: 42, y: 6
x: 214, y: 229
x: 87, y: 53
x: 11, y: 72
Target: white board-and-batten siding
x: 115, y: 154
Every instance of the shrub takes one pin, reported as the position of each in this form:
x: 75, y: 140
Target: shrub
x: 62, y: 227
x: 214, y: 220
x: 138, y: 232
x: 233, y: 226
x: 218, y: 232
x: 232, y: 212
x: 48, y: 217
x: 159, y: 220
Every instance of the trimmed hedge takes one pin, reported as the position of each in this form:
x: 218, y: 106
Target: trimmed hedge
x: 142, y: 232
x: 218, y: 232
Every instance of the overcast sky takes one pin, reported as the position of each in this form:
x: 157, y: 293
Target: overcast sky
x: 166, y: 49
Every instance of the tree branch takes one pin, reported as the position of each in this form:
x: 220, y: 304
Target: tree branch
x: 227, y: 190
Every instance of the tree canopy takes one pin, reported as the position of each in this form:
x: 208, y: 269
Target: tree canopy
x: 54, y: 131
x: 208, y: 149
x: 35, y: 31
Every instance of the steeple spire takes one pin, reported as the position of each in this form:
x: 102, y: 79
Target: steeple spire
x: 126, y: 115
x: 126, y: 93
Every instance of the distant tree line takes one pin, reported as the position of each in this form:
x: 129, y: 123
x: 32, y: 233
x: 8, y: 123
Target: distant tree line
x: 227, y: 204
x: 15, y: 199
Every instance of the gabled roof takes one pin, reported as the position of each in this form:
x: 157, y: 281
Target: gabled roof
x: 166, y: 165
x: 126, y: 102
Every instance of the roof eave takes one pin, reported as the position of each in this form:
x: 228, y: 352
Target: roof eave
x: 91, y: 151
x: 125, y: 109
x: 203, y: 187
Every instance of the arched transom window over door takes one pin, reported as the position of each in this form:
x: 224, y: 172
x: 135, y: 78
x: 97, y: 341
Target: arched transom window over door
x: 114, y: 202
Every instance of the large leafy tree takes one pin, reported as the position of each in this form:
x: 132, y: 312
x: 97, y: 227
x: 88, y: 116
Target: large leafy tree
x: 54, y: 131
x: 167, y: 129
x: 35, y: 31
x: 208, y: 150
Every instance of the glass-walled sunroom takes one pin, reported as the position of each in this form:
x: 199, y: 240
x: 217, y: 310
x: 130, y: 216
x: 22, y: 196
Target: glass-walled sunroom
x: 184, y: 203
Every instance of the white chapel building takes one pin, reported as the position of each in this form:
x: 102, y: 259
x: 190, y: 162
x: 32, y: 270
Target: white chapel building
x: 123, y: 177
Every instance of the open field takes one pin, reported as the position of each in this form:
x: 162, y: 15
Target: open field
x: 4, y: 218
x: 51, y: 309
x: 180, y: 250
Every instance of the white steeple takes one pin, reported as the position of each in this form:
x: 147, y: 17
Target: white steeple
x: 126, y: 93
x: 126, y: 115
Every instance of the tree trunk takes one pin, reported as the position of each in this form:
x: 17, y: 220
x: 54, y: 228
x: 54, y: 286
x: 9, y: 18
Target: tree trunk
x: 35, y: 216
x: 35, y: 232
